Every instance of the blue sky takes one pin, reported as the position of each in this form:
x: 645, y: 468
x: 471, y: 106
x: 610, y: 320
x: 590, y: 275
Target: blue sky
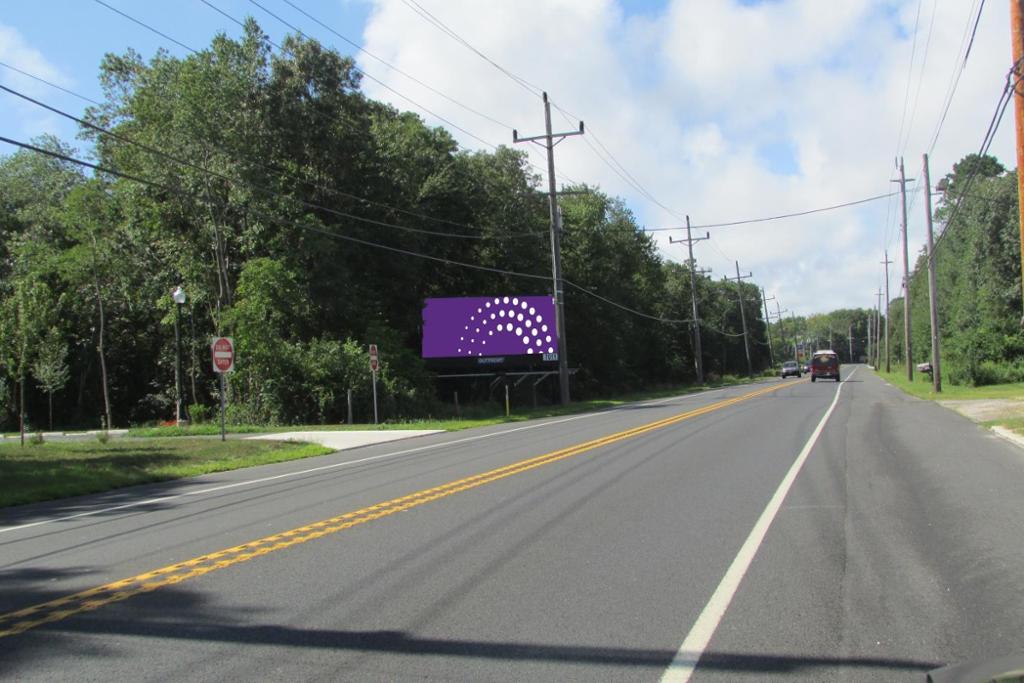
x: 718, y: 109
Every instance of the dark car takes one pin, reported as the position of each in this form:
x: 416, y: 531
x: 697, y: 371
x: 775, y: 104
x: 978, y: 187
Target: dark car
x: 825, y: 364
x: 790, y: 367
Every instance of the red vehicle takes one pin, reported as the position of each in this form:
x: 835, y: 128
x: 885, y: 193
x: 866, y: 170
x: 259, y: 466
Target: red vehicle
x: 825, y: 363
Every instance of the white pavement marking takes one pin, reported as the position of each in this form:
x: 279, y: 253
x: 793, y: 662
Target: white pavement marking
x: 685, y: 662
x: 347, y: 463
x: 342, y: 440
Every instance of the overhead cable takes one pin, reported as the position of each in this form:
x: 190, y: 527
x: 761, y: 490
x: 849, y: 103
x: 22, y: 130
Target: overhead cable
x: 329, y: 233
x: 202, y: 169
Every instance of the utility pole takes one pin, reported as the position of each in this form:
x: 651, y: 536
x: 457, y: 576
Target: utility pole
x: 933, y: 303
x: 767, y: 328
x: 796, y: 350
x: 907, y: 356
x: 743, y: 316
x: 878, y: 328
x: 782, y: 324
x: 849, y: 340
x: 1017, y: 36
x: 887, y: 262
x: 698, y: 358
x: 870, y: 357
x: 556, y: 248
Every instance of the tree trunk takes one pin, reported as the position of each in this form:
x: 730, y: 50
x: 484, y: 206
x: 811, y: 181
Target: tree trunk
x: 99, y: 345
x: 21, y: 407
x: 192, y: 352
x: 51, y: 410
x: 103, y: 359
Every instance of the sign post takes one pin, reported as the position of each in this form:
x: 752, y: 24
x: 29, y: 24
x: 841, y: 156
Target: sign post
x: 374, y: 365
x: 222, y: 353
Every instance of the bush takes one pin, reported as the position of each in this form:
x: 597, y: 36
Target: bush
x: 198, y: 413
x: 991, y: 372
x: 36, y: 439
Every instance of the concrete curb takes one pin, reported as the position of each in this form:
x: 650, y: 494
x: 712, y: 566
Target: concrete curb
x: 1009, y: 435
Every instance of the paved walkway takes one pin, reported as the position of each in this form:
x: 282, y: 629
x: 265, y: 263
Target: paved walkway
x: 342, y: 440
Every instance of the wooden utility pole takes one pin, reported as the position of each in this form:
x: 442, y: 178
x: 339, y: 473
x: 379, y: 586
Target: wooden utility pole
x: 887, y: 262
x: 743, y: 316
x: 870, y: 357
x: 1017, y: 36
x: 933, y: 304
x: 878, y: 328
x: 698, y: 355
x: 556, y: 244
x: 782, y: 328
x: 908, y: 357
x: 849, y: 339
x: 767, y: 327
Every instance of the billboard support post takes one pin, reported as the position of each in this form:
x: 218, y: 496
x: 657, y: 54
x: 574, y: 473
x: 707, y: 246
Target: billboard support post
x: 374, y: 365
x: 508, y: 411
x: 374, y: 397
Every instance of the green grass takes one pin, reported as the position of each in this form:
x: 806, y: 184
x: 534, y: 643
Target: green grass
x: 475, y: 416
x: 1015, y: 424
x: 60, y: 469
x: 922, y: 388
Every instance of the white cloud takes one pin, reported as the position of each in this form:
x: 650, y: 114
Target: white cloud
x: 31, y: 120
x: 693, y: 101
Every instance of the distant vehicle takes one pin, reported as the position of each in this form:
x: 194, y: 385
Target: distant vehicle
x: 806, y: 366
x: 825, y: 363
x: 790, y: 367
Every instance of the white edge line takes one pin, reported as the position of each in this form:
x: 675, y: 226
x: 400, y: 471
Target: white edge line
x: 685, y: 662
x: 347, y: 463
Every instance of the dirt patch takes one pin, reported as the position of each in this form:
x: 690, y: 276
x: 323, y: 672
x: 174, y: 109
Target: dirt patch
x: 983, y: 410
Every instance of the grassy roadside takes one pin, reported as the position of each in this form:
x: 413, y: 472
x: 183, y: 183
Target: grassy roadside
x: 476, y: 417
x: 60, y: 469
x: 921, y: 387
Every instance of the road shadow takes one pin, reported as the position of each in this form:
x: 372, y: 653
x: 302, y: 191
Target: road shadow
x: 174, y: 615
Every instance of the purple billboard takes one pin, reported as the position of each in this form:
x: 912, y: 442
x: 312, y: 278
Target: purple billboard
x: 489, y: 326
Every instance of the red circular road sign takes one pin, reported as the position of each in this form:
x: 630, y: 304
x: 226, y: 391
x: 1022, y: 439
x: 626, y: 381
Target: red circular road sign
x: 222, y: 351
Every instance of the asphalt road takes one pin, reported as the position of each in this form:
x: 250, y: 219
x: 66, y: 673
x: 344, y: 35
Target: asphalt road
x: 875, y: 545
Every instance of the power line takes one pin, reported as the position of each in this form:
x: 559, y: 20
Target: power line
x: 52, y: 85
x: 1004, y: 100
x: 958, y: 70
x: 780, y: 216
x: 311, y: 228
x: 146, y: 26
x: 394, y: 68
x: 910, y: 71
x: 444, y: 28
x: 235, y: 181
x: 920, y: 78
x: 609, y: 159
x: 268, y: 167
x: 369, y: 76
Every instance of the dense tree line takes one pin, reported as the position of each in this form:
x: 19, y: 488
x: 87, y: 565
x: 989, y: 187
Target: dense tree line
x: 978, y: 279
x: 290, y: 207
x: 978, y: 287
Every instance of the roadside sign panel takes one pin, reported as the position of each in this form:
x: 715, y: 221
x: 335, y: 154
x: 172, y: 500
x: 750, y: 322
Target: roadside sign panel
x: 222, y: 352
x: 374, y: 361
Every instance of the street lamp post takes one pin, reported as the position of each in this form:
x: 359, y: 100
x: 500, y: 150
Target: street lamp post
x: 179, y: 300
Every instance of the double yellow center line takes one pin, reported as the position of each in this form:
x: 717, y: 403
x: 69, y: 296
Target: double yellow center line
x: 28, y: 618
